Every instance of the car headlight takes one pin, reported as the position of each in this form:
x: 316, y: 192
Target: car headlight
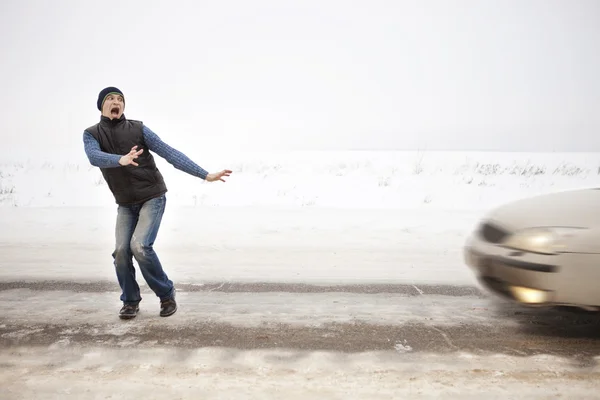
x: 547, y: 240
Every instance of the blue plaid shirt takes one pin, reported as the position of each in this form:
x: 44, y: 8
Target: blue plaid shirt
x: 101, y: 159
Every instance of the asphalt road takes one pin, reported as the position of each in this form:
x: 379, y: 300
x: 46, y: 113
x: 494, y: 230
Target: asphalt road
x: 44, y: 324
x: 439, y: 319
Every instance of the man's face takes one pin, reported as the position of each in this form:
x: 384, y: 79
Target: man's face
x: 114, y: 106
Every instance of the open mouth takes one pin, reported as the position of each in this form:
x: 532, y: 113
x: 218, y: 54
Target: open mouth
x: 114, y: 110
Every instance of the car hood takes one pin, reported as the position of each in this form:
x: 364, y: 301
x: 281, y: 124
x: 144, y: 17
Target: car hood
x: 579, y: 208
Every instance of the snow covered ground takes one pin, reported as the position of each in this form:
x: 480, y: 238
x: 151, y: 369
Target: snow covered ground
x: 300, y: 216
x: 207, y: 244
x: 223, y: 373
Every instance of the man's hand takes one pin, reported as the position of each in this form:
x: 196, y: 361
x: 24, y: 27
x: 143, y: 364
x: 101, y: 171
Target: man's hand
x: 218, y: 176
x: 132, y: 155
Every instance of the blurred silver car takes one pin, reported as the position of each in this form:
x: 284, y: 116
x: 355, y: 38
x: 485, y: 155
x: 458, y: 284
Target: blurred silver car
x: 541, y: 251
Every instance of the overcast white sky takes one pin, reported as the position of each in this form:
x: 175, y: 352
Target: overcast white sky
x: 324, y: 74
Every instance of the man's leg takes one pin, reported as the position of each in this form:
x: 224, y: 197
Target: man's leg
x: 127, y: 218
x: 145, y: 233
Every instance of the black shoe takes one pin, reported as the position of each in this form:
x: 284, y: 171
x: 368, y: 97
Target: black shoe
x: 168, y: 307
x: 129, y: 311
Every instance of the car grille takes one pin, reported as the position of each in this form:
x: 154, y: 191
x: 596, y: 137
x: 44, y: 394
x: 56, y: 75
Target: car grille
x: 492, y: 233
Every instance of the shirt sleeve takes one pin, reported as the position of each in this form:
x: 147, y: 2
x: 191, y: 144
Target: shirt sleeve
x: 97, y: 157
x: 173, y: 156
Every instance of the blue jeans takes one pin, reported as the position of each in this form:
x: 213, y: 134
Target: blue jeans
x: 136, y: 230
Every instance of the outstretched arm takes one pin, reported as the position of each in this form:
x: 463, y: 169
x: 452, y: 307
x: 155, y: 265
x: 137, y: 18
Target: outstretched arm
x: 173, y: 156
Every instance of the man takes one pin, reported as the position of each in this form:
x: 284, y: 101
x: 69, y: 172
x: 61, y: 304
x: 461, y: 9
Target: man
x: 121, y: 149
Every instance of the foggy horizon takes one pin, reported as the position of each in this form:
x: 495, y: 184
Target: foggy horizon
x: 328, y: 75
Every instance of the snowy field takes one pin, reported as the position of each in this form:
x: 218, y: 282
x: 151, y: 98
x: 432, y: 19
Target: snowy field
x: 364, y: 180
x: 332, y: 217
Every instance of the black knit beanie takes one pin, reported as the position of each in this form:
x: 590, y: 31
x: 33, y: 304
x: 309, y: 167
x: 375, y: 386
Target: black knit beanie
x: 105, y: 92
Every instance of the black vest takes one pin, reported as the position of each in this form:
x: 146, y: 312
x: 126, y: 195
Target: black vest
x: 130, y: 184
